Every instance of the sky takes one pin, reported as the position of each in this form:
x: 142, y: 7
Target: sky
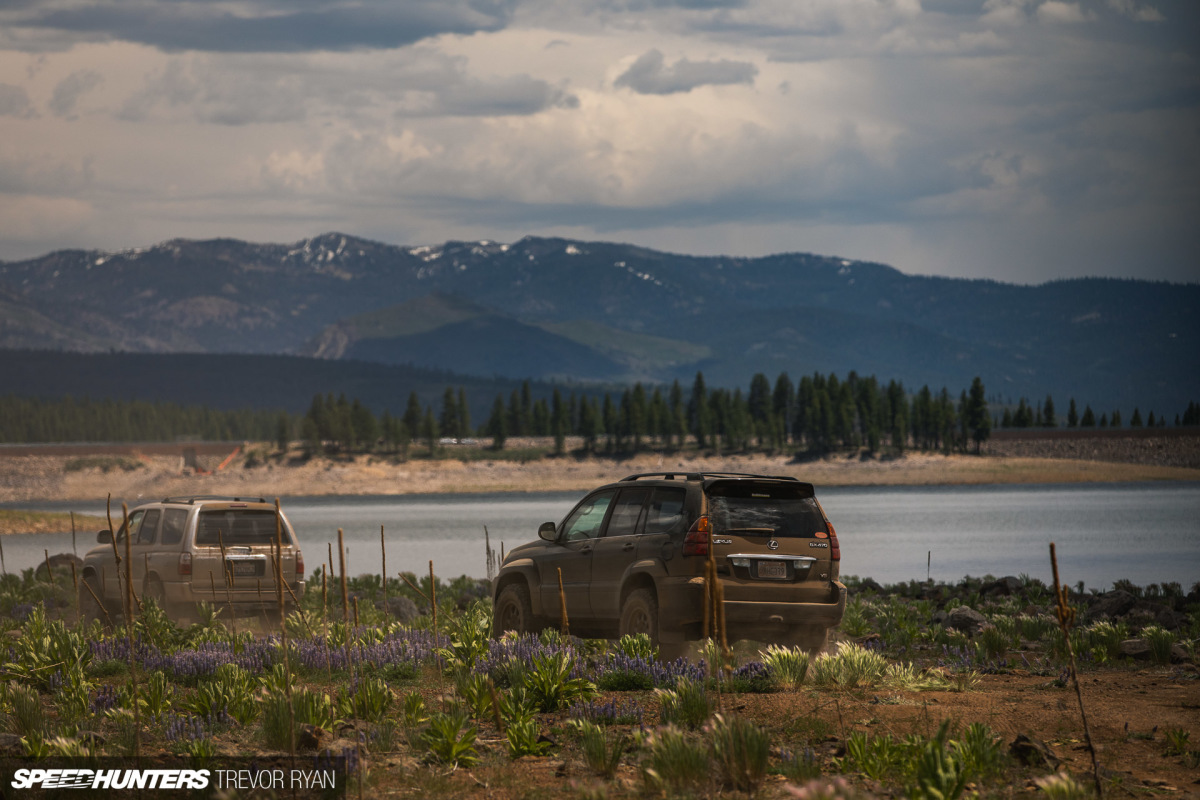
x: 1017, y: 140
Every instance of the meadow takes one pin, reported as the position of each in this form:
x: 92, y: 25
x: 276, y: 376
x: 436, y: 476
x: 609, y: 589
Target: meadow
x: 931, y: 691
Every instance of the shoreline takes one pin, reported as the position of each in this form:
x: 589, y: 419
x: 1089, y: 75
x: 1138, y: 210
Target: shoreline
x: 59, y: 479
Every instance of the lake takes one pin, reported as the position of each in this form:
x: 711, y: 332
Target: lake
x: 1148, y: 533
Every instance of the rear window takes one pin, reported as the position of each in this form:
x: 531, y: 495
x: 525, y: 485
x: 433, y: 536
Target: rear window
x: 778, y: 510
x: 238, y: 527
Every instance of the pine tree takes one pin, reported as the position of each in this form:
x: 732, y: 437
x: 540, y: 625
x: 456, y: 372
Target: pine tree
x: 1072, y: 415
x: 1136, y: 420
x: 497, y: 426
x: 412, y: 417
x: 1089, y: 418
x: 448, y: 422
x: 978, y: 420
x: 1048, y: 419
x: 429, y: 430
x: 699, y: 414
x: 464, y: 416
x: 558, y: 422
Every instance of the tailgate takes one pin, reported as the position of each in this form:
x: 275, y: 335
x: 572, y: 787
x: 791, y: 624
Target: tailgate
x: 769, y: 532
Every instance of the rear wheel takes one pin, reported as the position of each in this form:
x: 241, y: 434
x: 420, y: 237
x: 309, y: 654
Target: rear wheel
x: 514, y: 611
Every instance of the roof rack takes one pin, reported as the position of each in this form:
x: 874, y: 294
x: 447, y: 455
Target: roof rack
x: 699, y: 476
x: 192, y: 498
x: 670, y: 476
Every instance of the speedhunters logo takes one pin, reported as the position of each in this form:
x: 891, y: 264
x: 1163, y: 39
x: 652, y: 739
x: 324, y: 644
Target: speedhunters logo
x: 322, y: 776
x: 110, y: 779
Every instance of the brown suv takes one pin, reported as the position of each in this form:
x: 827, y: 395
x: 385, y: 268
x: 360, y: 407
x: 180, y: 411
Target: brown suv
x: 632, y: 556
x: 176, y: 554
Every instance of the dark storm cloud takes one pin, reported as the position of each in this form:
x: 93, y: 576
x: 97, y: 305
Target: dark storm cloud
x: 69, y: 90
x: 650, y: 74
x: 14, y: 102
x: 273, y: 27
x: 518, y: 95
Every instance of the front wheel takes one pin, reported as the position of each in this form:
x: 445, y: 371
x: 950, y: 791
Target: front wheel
x: 640, y: 615
x: 514, y: 611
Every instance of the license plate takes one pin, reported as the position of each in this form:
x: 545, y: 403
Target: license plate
x: 245, y: 567
x: 772, y: 569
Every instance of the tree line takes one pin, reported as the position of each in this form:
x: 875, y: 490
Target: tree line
x: 24, y: 420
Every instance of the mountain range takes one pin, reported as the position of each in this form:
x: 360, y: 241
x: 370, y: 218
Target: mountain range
x: 565, y: 310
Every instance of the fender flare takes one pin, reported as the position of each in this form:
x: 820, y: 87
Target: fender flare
x: 523, y: 569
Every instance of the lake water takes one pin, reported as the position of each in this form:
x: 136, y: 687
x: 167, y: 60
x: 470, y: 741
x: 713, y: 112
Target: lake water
x: 1148, y: 533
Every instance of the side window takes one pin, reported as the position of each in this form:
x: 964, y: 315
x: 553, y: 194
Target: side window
x: 626, y: 512
x: 665, y: 514
x: 585, y: 521
x: 149, y: 527
x: 172, y: 527
x: 135, y: 525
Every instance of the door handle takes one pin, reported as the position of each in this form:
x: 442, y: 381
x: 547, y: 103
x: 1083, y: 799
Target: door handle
x: 628, y: 546
x: 583, y: 551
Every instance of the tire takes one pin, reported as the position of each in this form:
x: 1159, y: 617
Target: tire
x: 639, y: 614
x: 514, y: 611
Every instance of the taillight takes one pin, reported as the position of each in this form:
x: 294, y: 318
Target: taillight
x: 835, y: 550
x: 185, y: 563
x: 300, y: 563
x: 695, y: 543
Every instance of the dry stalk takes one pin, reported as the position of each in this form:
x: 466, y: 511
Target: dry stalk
x: 103, y: 610
x: 49, y: 574
x: 287, y: 662
x: 137, y: 717
x: 227, y: 572
x: 383, y: 574
x: 433, y: 598
x: 1066, y: 619
x: 342, y: 573
x: 562, y: 604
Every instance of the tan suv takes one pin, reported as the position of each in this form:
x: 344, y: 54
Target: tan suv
x: 632, y: 556
x: 176, y: 554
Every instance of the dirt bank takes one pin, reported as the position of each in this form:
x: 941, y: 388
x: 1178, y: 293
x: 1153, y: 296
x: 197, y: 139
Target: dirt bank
x: 62, y: 478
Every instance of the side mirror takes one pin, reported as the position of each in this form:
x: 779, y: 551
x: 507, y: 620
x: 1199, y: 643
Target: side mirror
x: 104, y: 537
x: 547, y: 531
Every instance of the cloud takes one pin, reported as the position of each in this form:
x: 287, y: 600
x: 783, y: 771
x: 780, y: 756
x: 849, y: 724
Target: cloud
x: 650, y: 75
x: 1058, y: 11
x: 268, y: 26
x: 1139, y: 13
x: 14, y: 101
x: 516, y: 95
x: 69, y: 91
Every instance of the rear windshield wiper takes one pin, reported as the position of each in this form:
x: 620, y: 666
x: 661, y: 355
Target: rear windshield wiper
x: 764, y: 531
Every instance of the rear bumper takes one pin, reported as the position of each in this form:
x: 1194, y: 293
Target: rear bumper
x: 184, y: 592
x: 681, y: 607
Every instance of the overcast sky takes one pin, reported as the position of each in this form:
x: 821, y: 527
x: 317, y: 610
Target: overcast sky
x: 1020, y: 140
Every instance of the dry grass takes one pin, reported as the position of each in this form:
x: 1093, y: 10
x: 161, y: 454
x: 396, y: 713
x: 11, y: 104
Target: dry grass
x: 13, y: 521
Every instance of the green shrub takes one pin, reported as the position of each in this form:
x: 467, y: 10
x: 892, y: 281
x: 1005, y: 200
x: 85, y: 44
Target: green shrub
x: 1160, y: 641
x: 230, y: 689
x: 636, y: 645
x: 601, y: 752
x: 939, y: 774
x: 1177, y: 741
x: 1061, y: 786
x: 525, y: 737
x: 980, y: 750
x: 687, y: 704
x: 789, y: 665
x: 450, y: 738
x: 853, y: 666
x: 675, y: 763
x: 25, y: 715
x: 370, y: 700
x: 550, y: 685
x: 308, y: 708
x: 991, y: 643
x: 741, y: 750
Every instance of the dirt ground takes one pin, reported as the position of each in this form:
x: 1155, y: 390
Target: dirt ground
x: 1128, y: 710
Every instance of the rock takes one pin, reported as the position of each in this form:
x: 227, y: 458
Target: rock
x: 310, y: 737
x: 1033, y: 753
x: 10, y: 744
x: 1115, y: 604
x: 1005, y: 587
x: 965, y: 619
x: 1139, y: 650
x: 59, y: 561
x: 402, y: 609
x: 1146, y: 612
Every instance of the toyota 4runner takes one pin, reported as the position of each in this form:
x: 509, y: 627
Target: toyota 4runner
x: 176, y: 556
x: 632, y: 558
